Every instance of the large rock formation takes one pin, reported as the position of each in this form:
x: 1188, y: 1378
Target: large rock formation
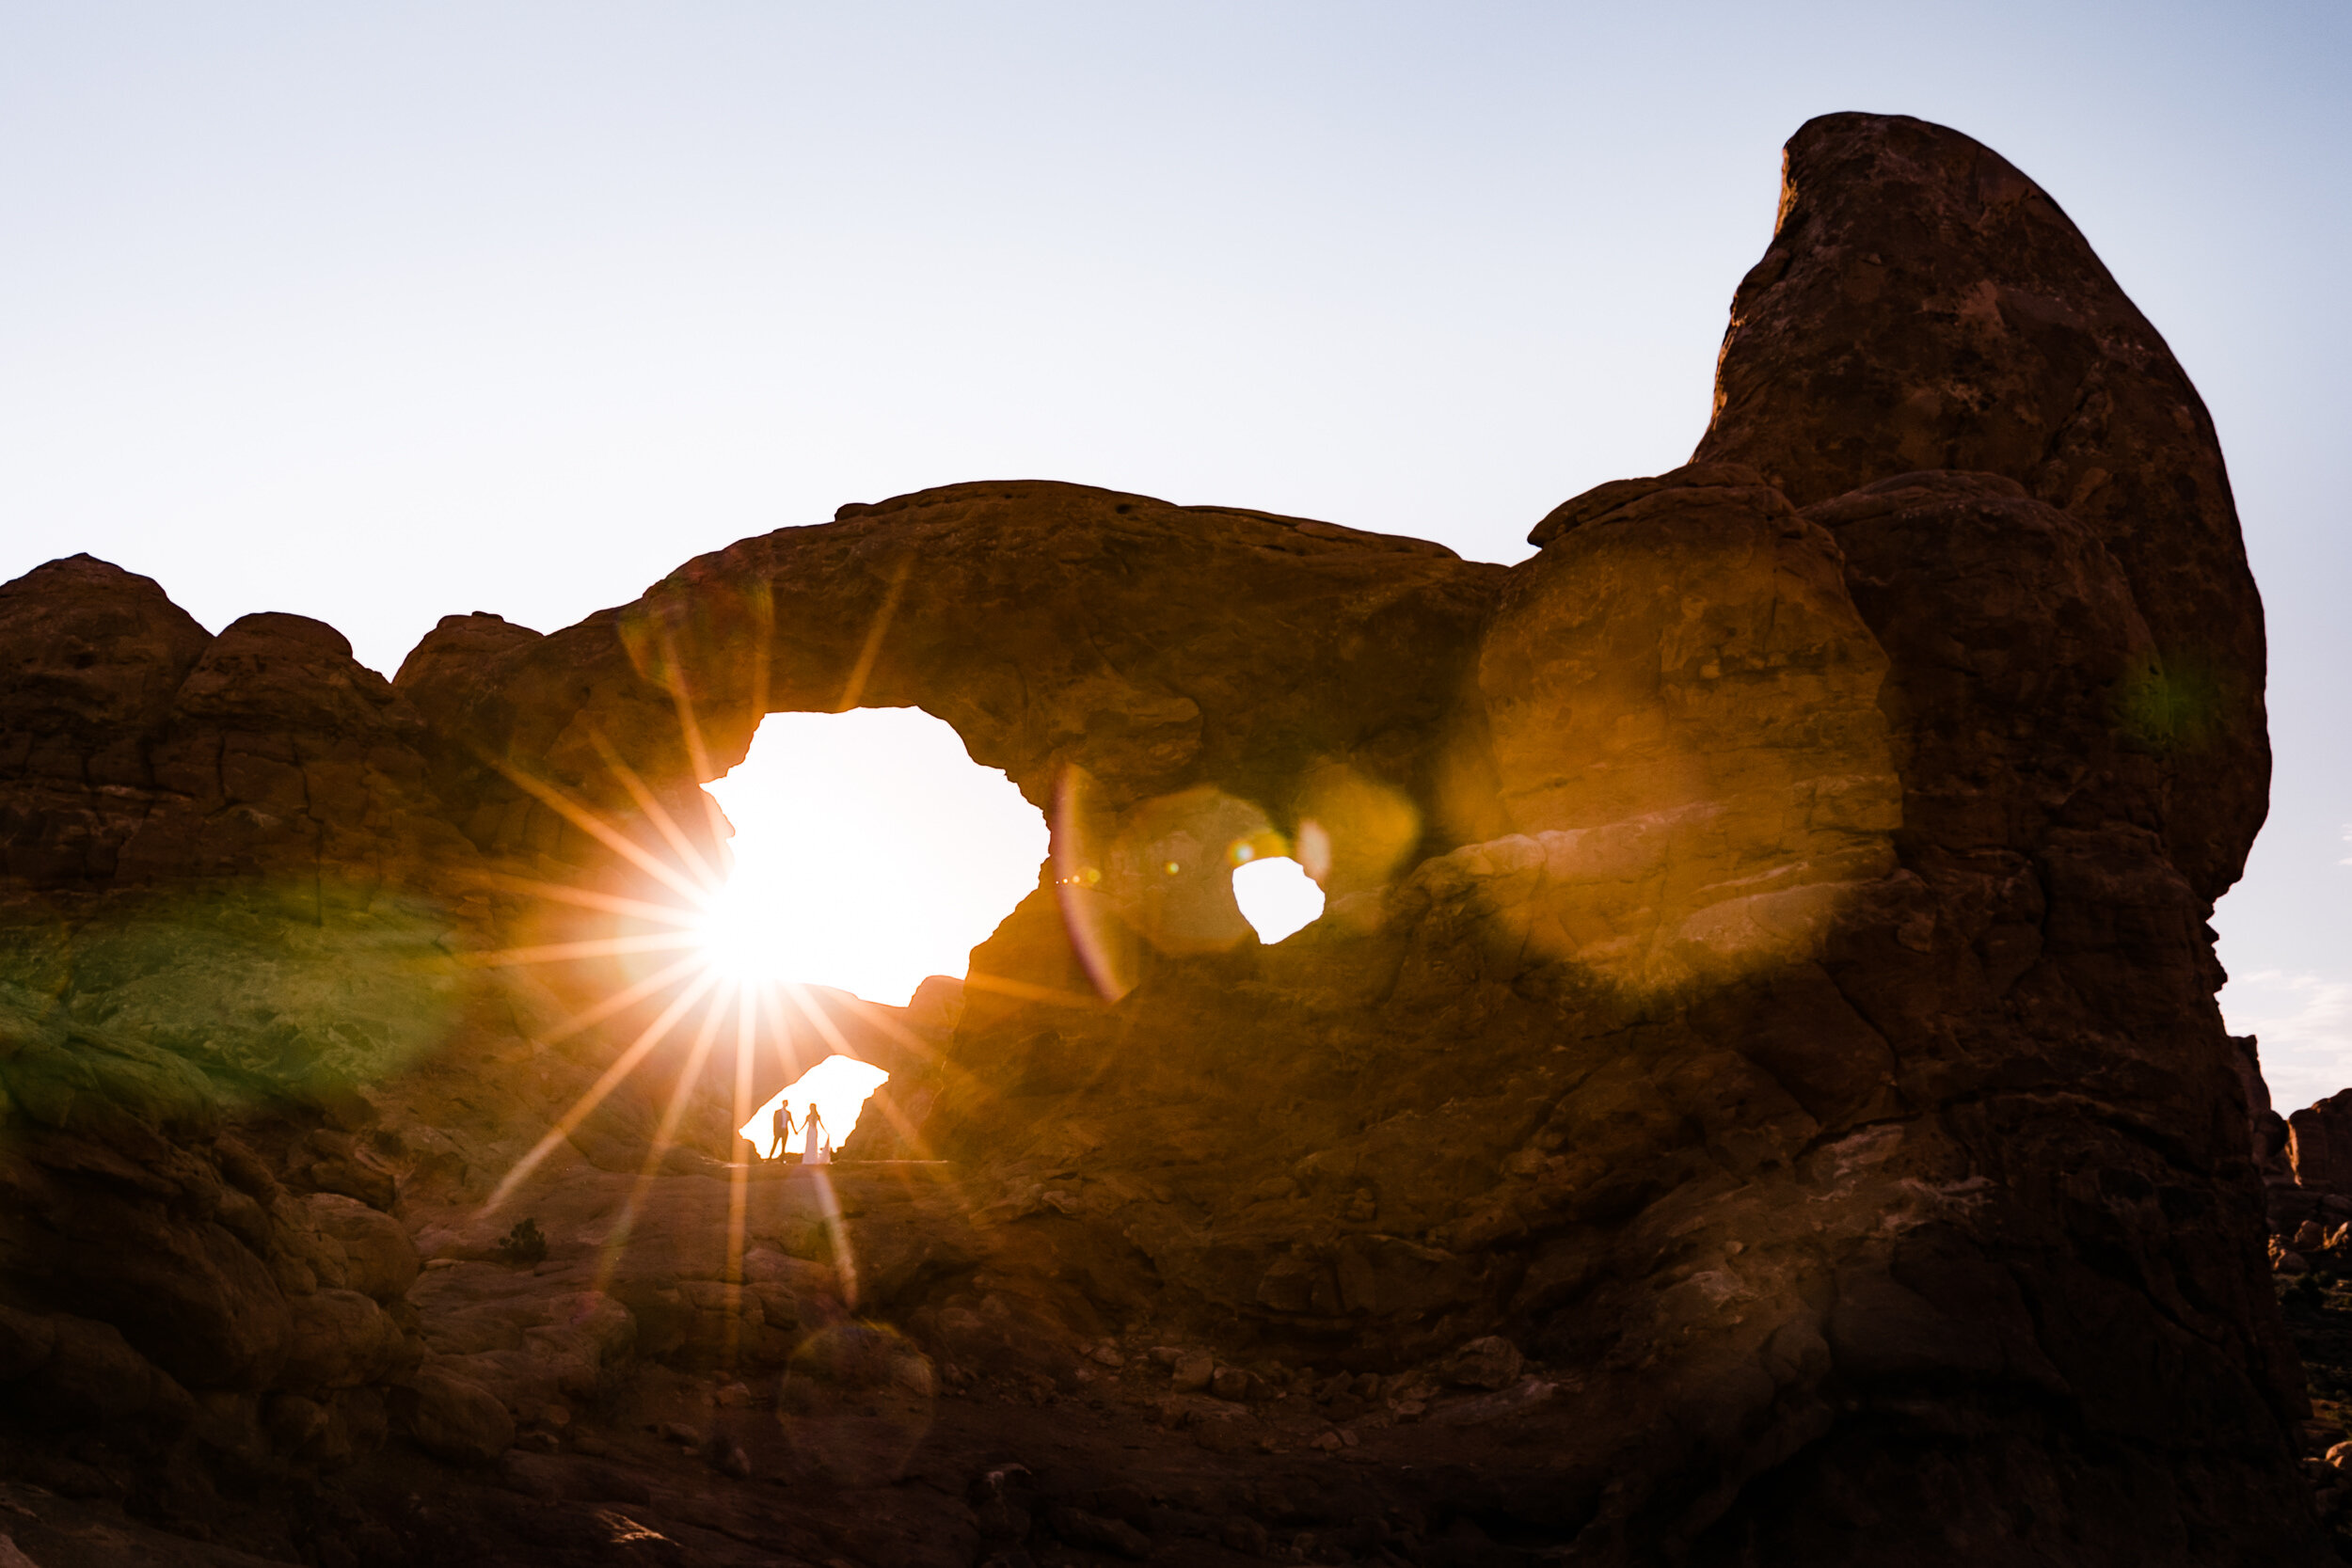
x: 1925, y: 305
x: 1755, y: 1095
x: 2319, y: 1144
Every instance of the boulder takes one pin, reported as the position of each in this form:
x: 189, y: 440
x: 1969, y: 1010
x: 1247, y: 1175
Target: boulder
x: 87, y: 647
x: 92, y: 1377
x: 188, y: 1293
x: 340, y: 1339
x: 1488, y: 1362
x: 91, y: 657
x: 453, y: 657
x: 2319, y: 1145
x: 378, y: 1258
x: 455, y: 1419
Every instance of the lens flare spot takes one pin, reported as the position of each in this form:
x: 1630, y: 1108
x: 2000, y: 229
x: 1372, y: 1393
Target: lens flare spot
x: 856, y: 1402
x: 1314, y: 849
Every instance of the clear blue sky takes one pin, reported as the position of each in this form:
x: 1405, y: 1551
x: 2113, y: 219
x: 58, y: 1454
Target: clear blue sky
x: 378, y: 312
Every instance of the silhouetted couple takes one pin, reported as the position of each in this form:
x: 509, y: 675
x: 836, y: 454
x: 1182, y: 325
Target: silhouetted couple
x: 817, y: 1147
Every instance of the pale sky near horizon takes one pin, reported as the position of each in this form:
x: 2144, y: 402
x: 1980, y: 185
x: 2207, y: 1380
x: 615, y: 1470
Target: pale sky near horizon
x: 380, y: 313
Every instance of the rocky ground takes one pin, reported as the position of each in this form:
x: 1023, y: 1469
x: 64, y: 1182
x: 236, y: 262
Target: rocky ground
x: 839, y: 1439
x: 2317, y: 1307
x: 1081, y: 1451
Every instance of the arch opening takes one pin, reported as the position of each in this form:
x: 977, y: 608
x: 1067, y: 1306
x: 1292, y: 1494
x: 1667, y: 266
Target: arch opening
x: 1278, y: 897
x: 870, y: 852
x: 838, y: 1086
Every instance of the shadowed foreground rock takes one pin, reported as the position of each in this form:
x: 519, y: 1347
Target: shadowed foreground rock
x: 1755, y: 1095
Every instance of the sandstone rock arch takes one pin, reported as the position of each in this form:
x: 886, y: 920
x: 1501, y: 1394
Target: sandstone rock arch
x: 1067, y: 633
x: 1052, y: 625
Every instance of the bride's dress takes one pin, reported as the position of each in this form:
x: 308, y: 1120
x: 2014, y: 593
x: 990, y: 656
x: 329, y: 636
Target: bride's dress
x: 815, y: 1152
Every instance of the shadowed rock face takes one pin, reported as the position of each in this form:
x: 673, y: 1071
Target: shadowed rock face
x: 1923, y: 305
x: 94, y: 658
x: 1754, y: 1096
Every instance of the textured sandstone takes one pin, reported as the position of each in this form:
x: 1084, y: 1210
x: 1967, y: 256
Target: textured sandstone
x: 458, y: 1419
x: 2319, y: 1144
x: 1924, y: 305
x: 94, y: 657
x: 1731, y: 778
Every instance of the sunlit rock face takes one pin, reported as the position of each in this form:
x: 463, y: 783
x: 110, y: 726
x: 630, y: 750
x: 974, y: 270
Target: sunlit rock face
x: 1755, y: 1093
x: 1687, y: 737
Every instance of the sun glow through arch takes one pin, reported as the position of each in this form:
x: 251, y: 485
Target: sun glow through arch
x: 870, y: 852
x: 1277, y: 897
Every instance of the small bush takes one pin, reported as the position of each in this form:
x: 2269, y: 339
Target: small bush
x: 524, y: 1246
